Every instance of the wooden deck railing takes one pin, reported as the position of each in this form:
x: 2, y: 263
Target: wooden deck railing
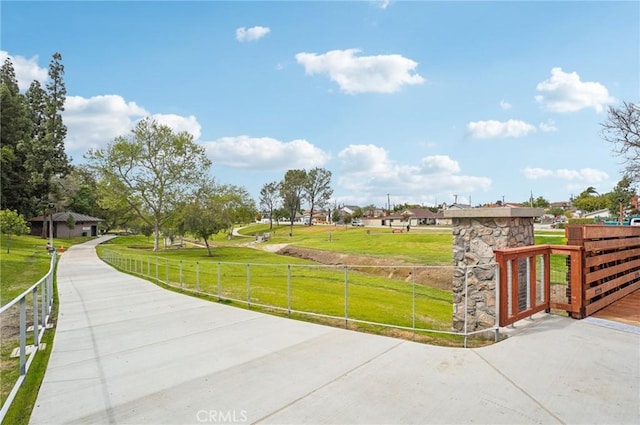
x: 611, y: 263
x: 525, y: 281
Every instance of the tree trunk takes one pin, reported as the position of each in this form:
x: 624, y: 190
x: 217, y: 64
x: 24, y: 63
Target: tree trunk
x: 311, y: 214
x: 156, y: 235
x: 206, y: 242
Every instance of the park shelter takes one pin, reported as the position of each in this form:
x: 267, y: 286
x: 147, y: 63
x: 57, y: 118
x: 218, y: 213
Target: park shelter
x: 84, y: 225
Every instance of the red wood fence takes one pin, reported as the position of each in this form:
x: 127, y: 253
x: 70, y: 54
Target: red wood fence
x: 603, y: 265
x: 533, y: 284
x: 610, y: 261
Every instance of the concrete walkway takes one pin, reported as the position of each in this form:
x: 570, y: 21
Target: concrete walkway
x: 127, y: 351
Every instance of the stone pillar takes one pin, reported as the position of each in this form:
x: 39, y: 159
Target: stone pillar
x: 476, y: 233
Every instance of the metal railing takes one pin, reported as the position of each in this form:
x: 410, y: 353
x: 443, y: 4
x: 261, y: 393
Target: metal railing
x: 400, y: 297
x: 41, y: 294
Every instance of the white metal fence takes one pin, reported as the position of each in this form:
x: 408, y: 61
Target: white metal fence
x: 40, y: 296
x: 401, y: 297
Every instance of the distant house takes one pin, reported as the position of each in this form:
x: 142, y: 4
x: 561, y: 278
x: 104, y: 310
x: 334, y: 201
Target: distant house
x: 390, y: 220
x: 84, y: 225
x: 319, y: 217
x: 565, y: 205
x: 599, y: 215
x: 447, y: 221
x: 419, y: 216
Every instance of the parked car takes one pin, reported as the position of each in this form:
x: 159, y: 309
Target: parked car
x: 357, y: 223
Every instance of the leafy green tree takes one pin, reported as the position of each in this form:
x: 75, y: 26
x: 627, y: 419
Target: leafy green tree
x: 292, y: 190
x: 78, y: 191
x: 202, y: 216
x: 279, y: 214
x: 555, y: 211
x: 622, y: 129
x: 269, y: 197
x: 12, y: 223
x: 540, y: 202
x: 336, y: 216
x: 216, y: 208
x: 71, y: 223
x: 16, y: 132
x: 153, y: 170
x: 590, y: 200
x: 369, y: 210
x: 115, y: 210
x: 622, y: 193
x: 317, y: 189
x: 591, y: 203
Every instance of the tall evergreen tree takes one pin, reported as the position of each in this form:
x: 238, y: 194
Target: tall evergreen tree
x: 15, y: 125
x: 45, y: 156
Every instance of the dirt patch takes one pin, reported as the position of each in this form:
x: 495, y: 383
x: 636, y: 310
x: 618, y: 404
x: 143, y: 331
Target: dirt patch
x: 435, y: 276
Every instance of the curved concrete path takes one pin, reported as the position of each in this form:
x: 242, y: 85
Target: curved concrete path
x: 127, y: 351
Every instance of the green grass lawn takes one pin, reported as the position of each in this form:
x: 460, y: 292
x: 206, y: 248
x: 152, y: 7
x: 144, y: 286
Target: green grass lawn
x: 420, y: 246
x: 25, y: 264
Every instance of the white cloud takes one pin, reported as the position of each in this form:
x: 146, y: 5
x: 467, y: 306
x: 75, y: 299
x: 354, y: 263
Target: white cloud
x: 505, y: 105
x: 27, y: 70
x: 93, y: 122
x: 362, y: 74
x: 251, y: 34
x: 593, y: 175
x: 367, y: 172
x: 547, y: 127
x: 586, y: 175
x: 265, y: 153
x: 382, y: 4
x: 439, y: 164
x: 492, y: 129
x: 179, y: 123
x: 565, y: 92
x: 536, y: 173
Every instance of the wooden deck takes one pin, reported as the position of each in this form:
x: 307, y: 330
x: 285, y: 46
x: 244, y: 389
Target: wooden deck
x: 625, y: 310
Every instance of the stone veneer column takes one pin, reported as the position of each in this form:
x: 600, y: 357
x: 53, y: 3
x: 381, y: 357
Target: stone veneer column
x: 476, y: 233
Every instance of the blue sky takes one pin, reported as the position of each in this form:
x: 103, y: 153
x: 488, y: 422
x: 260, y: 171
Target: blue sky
x: 415, y: 101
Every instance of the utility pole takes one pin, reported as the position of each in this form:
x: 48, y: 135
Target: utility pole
x: 388, y: 204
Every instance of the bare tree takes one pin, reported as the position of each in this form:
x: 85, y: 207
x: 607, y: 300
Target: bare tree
x: 622, y: 128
